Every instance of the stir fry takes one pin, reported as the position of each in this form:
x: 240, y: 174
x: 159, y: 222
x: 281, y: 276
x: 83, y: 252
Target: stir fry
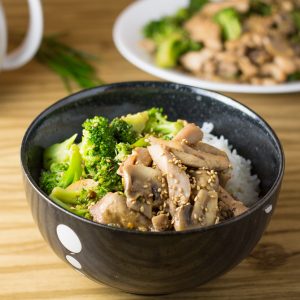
x: 141, y: 172
x: 245, y: 41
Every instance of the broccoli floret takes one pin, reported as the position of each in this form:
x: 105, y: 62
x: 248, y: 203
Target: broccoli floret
x: 107, y: 177
x: 74, y: 171
x: 259, y: 7
x: 73, y: 201
x: 58, y: 153
x: 229, y: 21
x: 62, y: 174
x: 173, y: 46
x: 159, y: 125
x: 97, y: 141
x: 49, y: 179
x: 122, y: 151
x: 142, y: 142
x: 137, y: 121
x: 122, y: 131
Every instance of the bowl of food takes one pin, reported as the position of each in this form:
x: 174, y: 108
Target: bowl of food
x: 151, y: 187
x: 248, y: 46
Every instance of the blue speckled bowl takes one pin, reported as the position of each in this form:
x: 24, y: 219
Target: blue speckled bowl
x: 151, y: 262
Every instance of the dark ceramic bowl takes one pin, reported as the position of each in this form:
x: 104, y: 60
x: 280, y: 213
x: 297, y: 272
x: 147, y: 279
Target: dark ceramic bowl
x: 151, y: 262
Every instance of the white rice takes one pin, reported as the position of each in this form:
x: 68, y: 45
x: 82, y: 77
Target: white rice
x: 242, y: 184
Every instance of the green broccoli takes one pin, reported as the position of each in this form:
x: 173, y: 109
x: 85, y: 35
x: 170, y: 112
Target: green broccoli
x: 49, y: 179
x: 58, y: 153
x: 74, y: 171
x: 229, y: 21
x: 62, y: 174
x: 122, y: 131
x: 122, y: 151
x: 97, y: 141
x: 137, y: 121
x: 159, y: 125
x: 173, y: 46
x: 73, y: 201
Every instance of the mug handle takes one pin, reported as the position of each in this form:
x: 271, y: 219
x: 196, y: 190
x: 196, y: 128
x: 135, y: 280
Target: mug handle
x: 32, y: 41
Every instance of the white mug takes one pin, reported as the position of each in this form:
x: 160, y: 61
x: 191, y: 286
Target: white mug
x: 31, y: 43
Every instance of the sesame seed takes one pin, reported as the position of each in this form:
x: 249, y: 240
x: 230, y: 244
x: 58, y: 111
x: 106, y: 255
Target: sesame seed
x: 145, y: 186
x: 142, y: 209
x: 159, y: 190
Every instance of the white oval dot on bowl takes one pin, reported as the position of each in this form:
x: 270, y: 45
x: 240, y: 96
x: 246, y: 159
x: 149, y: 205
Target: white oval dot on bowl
x: 68, y: 238
x: 73, y: 261
x: 268, y: 209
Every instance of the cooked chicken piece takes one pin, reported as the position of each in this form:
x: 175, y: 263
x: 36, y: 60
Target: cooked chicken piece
x: 247, y: 67
x: 148, y: 45
x: 209, y: 149
x: 259, y: 56
x: 194, y: 60
x: 112, y: 210
x: 204, y: 29
x: 224, y: 176
x: 190, y: 134
x: 263, y: 81
x: 160, y: 222
x: 205, y: 208
x: 139, y: 156
x: 274, y: 71
x: 227, y: 70
x: 259, y: 24
x: 276, y: 45
x: 212, y: 8
x: 178, y: 181
x: 82, y: 184
x: 142, y: 186
x: 182, y: 217
x: 227, y: 202
x: 285, y: 64
x: 193, y: 158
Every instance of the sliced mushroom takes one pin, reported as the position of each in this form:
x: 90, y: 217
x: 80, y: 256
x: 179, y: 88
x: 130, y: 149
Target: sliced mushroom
x: 112, y: 210
x: 178, y: 181
x: 142, y: 186
x: 182, y: 217
x: 205, y: 208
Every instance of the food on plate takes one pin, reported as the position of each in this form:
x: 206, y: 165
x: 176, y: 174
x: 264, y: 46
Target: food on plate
x: 245, y: 41
x: 145, y: 172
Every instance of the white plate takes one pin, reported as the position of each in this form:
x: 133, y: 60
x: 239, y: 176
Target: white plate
x: 127, y: 35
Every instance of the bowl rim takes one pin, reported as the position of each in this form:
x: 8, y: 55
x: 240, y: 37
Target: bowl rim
x: 72, y: 98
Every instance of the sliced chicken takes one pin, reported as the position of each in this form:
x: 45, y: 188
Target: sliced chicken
x: 212, y: 8
x: 112, y: 210
x: 200, y: 146
x: 194, y: 60
x: 204, y: 29
x: 190, y: 134
x: 228, y: 203
x: 194, y: 158
x: 161, y: 222
x: 178, y: 181
x: 142, y: 186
